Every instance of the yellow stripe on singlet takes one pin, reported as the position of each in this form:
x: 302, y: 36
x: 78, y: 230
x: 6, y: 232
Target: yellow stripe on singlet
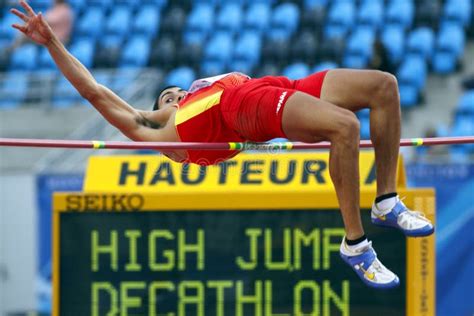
x: 197, y: 107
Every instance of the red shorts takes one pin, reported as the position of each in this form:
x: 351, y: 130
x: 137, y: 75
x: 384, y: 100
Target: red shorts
x: 254, y: 109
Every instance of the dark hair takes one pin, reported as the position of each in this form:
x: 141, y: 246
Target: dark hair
x: 157, y: 100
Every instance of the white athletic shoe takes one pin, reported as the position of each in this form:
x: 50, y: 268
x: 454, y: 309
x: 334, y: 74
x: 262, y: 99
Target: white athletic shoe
x: 369, y: 269
x: 411, y: 223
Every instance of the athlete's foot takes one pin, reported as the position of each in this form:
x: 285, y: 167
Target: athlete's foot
x: 369, y: 269
x: 411, y: 223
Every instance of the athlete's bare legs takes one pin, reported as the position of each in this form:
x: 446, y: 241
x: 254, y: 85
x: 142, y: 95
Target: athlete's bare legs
x: 357, y: 89
x: 308, y: 119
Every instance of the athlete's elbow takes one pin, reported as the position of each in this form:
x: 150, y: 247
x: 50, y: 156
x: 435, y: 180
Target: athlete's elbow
x: 90, y: 92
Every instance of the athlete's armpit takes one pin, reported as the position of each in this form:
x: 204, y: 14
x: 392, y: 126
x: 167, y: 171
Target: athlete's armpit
x: 143, y: 121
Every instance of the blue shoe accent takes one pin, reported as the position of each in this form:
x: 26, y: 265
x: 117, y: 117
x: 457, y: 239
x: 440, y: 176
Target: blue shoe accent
x: 391, y: 220
x: 362, y: 263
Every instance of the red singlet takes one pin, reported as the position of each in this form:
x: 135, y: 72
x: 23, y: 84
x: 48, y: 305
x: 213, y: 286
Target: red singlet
x: 237, y: 109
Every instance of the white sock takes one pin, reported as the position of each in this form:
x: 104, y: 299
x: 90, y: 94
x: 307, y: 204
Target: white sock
x: 351, y: 250
x: 386, y: 205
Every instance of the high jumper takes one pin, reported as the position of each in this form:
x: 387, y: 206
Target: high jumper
x: 236, y: 108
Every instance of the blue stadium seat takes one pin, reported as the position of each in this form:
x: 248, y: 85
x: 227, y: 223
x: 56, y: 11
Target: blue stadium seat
x: 284, y: 21
x: 45, y: 61
x: 24, y: 58
x: 77, y: 5
x: 411, y: 79
x: 131, y: 4
x: 6, y: 30
x: 14, y: 89
x: 458, y: 11
x: 91, y: 23
x: 41, y: 3
x: 136, y: 52
x: 229, y: 18
x: 247, y: 48
x: 312, y: 4
x: 210, y: 2
x: 449, y: 49
x: 112, y: 41
x: 160, y: 4
x: 371, y: 14
x: 340, y: 20
x: 393, y: 39
x: 414, y: 70
x: 119, y: 20
x: 258, y: 16
x: 219, y: 48
x: 296, y: 71
x: 421, y: 41
x: 182, y: 77
x: 400, y: 13
x: 359, y: 49
x: 104, y: 4
x: 466, y: 104
x: 199, y: 24
x: 147, y: 21
x: 84, y: 51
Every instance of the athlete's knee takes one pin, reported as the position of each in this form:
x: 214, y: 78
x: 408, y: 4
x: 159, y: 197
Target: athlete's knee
x: 347, y: 128
x: 386, y: 85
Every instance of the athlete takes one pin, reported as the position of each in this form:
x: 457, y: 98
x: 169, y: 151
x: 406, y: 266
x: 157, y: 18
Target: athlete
x: 236, y: 108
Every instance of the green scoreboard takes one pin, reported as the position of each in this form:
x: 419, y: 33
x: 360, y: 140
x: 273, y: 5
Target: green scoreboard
x: 207, y: 261
x: 258, y: 235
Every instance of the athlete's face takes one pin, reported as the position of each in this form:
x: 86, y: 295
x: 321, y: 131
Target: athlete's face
x: 171, y: 97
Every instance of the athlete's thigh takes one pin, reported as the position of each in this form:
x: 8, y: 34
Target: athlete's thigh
x: 309, y: 119
x: 351, y: 89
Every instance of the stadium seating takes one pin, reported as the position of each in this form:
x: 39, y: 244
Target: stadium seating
x: 258, y: 37
x: 229, y: 17
x: 24, y: 58
x: 449, y: 48
x: 181, y: 77
x: 136, y: 52
x: 257, y: 17
x: 340, y: 20
x: 14, y: 89
x: 421, y: 41
x: 393, y: 38
x: 284, y: 21
x: 296, y: 71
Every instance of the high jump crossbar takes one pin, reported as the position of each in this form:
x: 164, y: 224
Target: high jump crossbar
x: 163, y: 146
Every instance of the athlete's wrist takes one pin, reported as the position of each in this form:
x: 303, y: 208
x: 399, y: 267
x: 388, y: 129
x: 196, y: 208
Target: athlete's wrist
x: 53, y: 41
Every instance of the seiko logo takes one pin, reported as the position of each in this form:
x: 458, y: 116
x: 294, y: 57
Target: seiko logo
x: 104, y: 202
x: 280, y: 101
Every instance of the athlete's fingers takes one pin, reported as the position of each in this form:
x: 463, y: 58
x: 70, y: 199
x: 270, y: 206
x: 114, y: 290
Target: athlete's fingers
x: 20, y: 14
x: 42, y: 21
x: 27, y: 8
x: 19, y: 27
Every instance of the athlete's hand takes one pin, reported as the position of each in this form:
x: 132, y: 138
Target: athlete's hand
x: 35, y: 27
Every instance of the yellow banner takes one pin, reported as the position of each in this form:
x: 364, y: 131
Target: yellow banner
x: 247, y: 172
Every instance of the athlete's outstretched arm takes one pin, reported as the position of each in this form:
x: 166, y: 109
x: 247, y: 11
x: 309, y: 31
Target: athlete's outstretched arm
x: 133, y: 123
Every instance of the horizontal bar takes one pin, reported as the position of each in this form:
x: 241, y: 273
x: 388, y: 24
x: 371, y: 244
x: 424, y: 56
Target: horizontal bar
x: 164, y: 146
